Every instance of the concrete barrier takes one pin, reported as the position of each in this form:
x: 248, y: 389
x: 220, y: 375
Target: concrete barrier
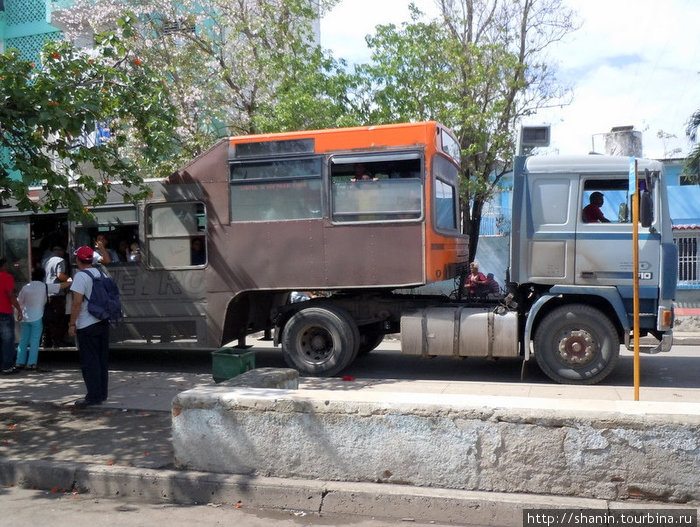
x: 595, y: 449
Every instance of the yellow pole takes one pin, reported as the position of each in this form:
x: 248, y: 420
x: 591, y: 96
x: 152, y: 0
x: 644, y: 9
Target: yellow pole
x: 635, y: 280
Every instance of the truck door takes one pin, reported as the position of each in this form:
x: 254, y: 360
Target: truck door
x: 550, y: 229
x: 604, y: 239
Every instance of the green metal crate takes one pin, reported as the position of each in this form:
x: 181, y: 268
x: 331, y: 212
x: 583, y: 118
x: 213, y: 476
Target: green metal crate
x: 229, y: 362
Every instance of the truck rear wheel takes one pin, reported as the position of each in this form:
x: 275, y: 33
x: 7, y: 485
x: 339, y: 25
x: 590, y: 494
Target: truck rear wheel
x: 320, y: 341
x: 576, y: 344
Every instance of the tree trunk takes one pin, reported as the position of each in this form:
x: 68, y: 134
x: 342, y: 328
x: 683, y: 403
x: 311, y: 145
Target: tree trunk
x: 473, y: 227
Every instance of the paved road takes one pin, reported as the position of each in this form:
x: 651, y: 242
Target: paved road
x: 680, y: 368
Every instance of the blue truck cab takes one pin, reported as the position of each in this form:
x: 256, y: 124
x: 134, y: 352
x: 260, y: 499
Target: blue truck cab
x: 571, y: 271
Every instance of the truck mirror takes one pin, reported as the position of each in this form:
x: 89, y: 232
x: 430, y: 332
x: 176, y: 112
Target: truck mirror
x: 646, y: 209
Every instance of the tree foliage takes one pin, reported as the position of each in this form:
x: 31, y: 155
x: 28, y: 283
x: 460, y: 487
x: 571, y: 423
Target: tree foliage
x: 48, y: 115
x: 234, y: 67
x: 479, y: 68
x: 692, y: 162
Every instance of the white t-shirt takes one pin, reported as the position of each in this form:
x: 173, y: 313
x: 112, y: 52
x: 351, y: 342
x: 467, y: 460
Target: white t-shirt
x: 83, y: 284
x: 54, y: 266
x: 32, y: 299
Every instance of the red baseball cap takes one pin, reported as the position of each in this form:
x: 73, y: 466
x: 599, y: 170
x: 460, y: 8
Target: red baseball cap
x: 84, y: 253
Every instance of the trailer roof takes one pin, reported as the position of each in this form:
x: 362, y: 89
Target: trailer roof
x: 586, y: 163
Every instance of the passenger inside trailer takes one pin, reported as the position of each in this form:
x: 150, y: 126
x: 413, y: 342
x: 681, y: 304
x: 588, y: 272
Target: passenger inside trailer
x: 381, y: 187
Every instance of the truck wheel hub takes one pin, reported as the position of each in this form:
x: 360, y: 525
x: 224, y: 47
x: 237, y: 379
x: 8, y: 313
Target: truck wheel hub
x: 316, y: 344
x: 577, y: 347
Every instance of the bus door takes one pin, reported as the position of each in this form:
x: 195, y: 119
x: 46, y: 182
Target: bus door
x: 28, y: 240
x: 16, y: 248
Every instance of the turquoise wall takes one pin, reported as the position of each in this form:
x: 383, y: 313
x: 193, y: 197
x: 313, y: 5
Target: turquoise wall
x: 25, y: 26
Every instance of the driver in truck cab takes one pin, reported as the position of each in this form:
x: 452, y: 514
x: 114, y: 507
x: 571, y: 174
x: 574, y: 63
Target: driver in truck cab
x: 592, y: 212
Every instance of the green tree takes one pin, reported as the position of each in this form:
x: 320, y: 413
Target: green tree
x: 234, y: 67
x: 692, y: 163
x: 479, y: 69
x: 47, y: 114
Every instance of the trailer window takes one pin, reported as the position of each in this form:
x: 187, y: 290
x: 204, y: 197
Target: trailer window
x: 274, y: 190
x: 446, y: 203
x: 379, y: 187
x: 176, y: 234
x: 119, y: 227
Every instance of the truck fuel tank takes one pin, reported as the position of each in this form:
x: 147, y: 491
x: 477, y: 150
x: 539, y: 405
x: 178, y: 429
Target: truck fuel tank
x: 461, y: 332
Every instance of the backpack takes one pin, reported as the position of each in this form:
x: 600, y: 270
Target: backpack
x: 104, y: 302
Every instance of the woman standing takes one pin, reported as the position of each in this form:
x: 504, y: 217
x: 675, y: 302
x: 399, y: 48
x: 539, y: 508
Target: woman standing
x: 32, y: 299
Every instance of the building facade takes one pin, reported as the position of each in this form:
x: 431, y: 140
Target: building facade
x: 26, y: 25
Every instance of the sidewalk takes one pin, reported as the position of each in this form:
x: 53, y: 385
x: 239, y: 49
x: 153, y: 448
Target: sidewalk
x: 123, y: 448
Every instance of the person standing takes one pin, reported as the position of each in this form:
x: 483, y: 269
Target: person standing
x: 92, y: 333
x: 33, y: 298
x: 8, y: 301
x: 56, y: 273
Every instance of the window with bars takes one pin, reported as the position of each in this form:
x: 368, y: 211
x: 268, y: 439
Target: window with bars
x: 688, y: 264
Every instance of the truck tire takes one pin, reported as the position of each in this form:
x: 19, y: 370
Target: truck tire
x: 369, y: 340
x: 320, y: 341
x: 576, y: 344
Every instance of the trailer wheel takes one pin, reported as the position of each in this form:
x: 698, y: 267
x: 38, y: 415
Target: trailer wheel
x: 369, y: 340
x: 320, y: 341
x: 576, y: 344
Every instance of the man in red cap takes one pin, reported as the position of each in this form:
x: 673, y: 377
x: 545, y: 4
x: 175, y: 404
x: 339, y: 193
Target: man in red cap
x: 92, y: 333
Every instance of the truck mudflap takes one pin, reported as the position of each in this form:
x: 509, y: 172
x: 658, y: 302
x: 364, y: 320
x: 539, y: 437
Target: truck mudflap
x: 664, y: 345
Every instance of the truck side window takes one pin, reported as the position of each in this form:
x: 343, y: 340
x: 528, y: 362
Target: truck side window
x: 604, y: 201
x: 381, y: 187
x: 617, y: 207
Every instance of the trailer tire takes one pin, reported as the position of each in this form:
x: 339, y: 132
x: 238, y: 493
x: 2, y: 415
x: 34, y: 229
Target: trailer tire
x: 576, y: 344
x: 320, y: 341
x: 369, y: 340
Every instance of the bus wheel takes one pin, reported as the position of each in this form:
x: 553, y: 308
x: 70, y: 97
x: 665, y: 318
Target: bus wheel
x: 320, y: 341
x: 576, y: 344
x: 369, y: 340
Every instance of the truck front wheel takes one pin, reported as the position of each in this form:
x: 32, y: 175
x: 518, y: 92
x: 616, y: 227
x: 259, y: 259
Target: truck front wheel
x: 576, y: 344
x: 320, y: 341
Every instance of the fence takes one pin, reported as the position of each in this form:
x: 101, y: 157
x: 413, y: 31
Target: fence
x: 495, y: 220
x: 687, y: 238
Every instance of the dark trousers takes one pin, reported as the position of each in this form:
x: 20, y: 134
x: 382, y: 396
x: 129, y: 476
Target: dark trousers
x: 55, y: 321
x: 93, y: 348
x: 7, y: 340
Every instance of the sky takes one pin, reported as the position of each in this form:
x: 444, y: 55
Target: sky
x: 632, y: 62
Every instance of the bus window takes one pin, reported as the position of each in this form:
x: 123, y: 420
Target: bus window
x: 176, y: 234
x: 119, y: 229
x: 276, y: 189
x: 377, y: 187
x: 446, y: 203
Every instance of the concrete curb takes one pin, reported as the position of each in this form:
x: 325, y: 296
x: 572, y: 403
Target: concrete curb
x: 361, y: 499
